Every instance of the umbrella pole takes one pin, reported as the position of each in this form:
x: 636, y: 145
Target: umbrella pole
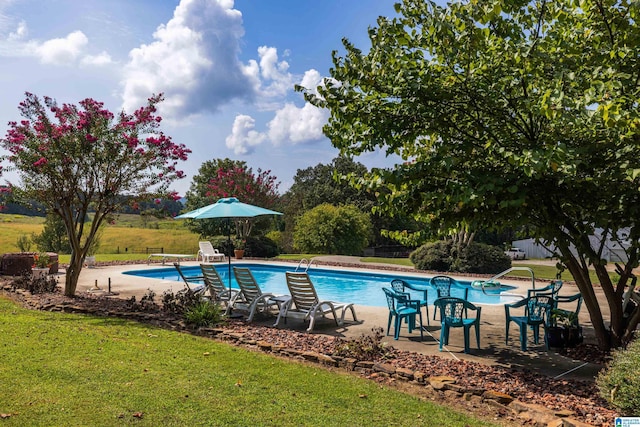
x: 229, y: 249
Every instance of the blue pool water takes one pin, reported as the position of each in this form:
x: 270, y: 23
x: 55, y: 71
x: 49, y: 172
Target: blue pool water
x: 337, y: 285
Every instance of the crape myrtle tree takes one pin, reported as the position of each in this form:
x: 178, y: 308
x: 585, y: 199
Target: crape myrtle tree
x: 508, y: 113
x: 76, y: 159
x: 220, y: 178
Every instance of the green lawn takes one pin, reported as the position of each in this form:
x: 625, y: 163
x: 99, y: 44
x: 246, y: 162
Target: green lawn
x: 62, y: 369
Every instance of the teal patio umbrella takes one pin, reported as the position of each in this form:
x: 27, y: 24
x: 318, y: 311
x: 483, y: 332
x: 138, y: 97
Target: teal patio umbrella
x: 227, y: 208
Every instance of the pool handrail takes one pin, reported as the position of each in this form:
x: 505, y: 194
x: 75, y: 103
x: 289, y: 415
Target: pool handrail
x: 507, y: 271
x: 308, y: 263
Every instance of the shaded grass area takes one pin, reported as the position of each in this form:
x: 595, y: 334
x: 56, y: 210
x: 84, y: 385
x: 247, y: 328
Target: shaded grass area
x: 62, y: 369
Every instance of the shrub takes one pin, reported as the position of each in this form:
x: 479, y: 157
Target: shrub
x: 482, y: 259
x: 365, y: 348
x: 433, y: 256
x: 276, y: 237
x: 203, y: 313
x: 147, y: 302
x: 222, y: 244
x: 38, y: 285
x: 327, y: 229
x: 24, y: 243
x: 475, y: 258
x: 53, y: 237
x: 261, y: 247
x: 179, y: 302
x: 619, y: 383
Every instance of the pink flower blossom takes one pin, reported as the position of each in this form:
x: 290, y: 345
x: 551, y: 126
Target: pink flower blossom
x: 40, y: 162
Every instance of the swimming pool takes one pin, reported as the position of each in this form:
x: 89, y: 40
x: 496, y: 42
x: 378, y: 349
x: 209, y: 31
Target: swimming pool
x: 362, y: 288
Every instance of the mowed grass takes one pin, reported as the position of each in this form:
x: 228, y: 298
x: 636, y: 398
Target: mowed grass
x: 63, y: 369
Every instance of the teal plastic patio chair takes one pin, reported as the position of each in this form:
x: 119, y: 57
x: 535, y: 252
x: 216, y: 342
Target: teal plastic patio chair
x: 454, y: 314
x: 536, y: 311
x: 402, y: 307
x: 442, y: 285
x: 403, y: 286
x: 552, y: 289
x: 560, y: 300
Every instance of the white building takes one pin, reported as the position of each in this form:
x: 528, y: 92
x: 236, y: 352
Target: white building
x: 613, y: 251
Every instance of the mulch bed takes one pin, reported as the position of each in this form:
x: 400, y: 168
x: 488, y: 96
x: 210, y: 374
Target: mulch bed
x: 573, y: 396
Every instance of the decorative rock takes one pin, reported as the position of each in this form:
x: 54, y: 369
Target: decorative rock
x: 365, y: 364
x: 455, y: 387
x: 564, y: 413
x: 327, y: 360
x: 502, y: 398
x: 496, y: 404
x: 348, y: 363
x: 438, y: 382
x: 419, y: 376
x: 309, y: 355
x: 405, y: 373
x: 385, y: 368
x: 264, y: 345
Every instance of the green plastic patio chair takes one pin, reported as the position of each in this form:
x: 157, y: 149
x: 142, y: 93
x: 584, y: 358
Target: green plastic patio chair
x: 552, y: 289
x: 536, y: 311
x: 400, y: 285
x: 442, y: 285
x: 402, y: 307
x: 454, y: 314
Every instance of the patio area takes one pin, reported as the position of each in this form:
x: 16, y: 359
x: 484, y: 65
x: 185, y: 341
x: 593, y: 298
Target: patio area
x: 493, y: 349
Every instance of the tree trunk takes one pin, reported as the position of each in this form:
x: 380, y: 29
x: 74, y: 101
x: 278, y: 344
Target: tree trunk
x: 581, y: 277
x: 73, y: 273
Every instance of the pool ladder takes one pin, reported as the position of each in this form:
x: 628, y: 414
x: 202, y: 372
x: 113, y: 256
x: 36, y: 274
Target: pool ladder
x: 307, y: 262
x: 507, y: 271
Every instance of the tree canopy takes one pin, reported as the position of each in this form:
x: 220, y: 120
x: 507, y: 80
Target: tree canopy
x: 220, y: 178
x: 509, y: 113
x: 85, y: 159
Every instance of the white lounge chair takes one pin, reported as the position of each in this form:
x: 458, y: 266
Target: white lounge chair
x: 214, y: 287
x: 305, y: 304
x: 208, y: 253
x: 251, y: 298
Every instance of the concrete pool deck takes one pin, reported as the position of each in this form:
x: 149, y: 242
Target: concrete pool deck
x: 493, y: 349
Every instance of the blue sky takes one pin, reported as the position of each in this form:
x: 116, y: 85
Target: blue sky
x: 227, y: 69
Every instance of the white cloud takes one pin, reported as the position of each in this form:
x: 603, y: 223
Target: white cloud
x: 275, y: 74
x: 311, y: 80
x: 62, y: 51
x: 65, y: 51
x: 97, y: 60
x: 193, y: 60
x: 20, y: 33
x: 296, y: 125
x: 243, y: 137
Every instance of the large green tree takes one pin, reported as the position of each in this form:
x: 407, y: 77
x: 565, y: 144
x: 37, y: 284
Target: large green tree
x: 328, y: 183
x: 80, y: 159
x: 508, y: 113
